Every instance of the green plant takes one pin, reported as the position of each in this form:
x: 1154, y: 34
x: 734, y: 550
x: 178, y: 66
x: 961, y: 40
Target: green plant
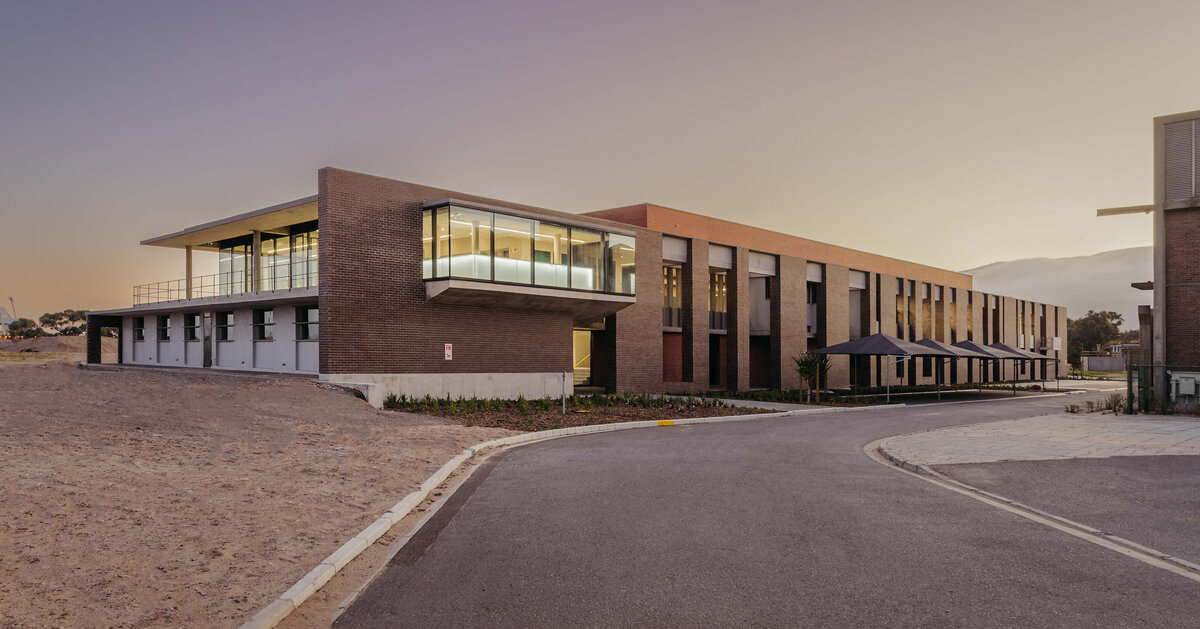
x: 813, y: 370
x: 1114, y: 402
x: 1071, y: 408
x: 523, y: 405
x: 391, y: 402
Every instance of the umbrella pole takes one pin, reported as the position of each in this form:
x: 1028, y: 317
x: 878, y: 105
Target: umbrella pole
x: 939, y: 379
x: 889, y: 384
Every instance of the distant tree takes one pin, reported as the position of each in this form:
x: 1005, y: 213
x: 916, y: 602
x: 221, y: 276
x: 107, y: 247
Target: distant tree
x: 66, y: 323
x: 1090, y: 332
x: 25, y: 329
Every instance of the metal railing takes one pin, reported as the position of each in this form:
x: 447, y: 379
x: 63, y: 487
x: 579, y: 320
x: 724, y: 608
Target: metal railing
x: 218, y: 285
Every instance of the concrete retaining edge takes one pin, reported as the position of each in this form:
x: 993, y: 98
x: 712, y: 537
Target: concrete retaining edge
x: 925, y: 470
x: 280, y: 608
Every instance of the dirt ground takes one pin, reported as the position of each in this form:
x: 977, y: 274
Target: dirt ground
x: 142, y: 499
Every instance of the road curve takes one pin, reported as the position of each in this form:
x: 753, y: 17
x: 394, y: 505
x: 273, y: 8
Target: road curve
x: 770, y: 523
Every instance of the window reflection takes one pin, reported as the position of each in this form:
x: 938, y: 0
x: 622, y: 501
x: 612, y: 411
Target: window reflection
x: 474, y: 244
x: 513, y: 246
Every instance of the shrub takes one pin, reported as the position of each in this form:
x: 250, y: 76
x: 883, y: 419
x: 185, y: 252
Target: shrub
x: 1072, y: 408
x: 392, y: 402
x: 1115, y: 402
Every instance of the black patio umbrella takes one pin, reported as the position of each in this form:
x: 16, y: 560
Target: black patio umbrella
x: 880, y: 344
x: 956, y: 351
x: 1020, y: 354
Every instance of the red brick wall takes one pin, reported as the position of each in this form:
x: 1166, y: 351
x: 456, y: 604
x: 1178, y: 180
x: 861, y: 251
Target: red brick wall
x: 1183, y: 287
x: 374, y: 316
x: 672, y: 367
x: 637, y: 347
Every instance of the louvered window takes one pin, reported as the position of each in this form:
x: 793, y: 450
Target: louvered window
x: 1179, y: 171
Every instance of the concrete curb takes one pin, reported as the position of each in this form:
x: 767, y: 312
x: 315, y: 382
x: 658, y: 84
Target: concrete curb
x: 287, y: 602
x: 925, y: 470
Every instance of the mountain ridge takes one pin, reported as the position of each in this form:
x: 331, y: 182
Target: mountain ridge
x: 1100, y: 281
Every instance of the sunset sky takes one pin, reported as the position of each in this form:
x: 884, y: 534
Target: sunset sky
x: 949, y: 133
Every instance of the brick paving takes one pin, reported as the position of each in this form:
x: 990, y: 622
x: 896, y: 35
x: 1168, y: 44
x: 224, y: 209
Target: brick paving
x: 1062, y: 436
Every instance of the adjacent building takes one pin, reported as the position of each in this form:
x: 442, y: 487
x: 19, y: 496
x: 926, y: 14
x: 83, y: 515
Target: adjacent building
x: 395, y: 287
x: 1171, y: 325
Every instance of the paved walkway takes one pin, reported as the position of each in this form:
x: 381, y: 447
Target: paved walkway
x: 1064, y: 436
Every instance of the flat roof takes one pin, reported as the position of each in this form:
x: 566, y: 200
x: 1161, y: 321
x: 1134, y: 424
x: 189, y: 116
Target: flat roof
x: 718, y: 231
x: 267, y: 219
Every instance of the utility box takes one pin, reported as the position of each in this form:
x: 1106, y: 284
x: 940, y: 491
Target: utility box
x: 1184, y: 386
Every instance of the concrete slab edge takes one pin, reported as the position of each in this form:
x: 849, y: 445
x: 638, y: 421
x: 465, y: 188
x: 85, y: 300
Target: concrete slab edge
x: 1093, y: 534
x: 280, y: 608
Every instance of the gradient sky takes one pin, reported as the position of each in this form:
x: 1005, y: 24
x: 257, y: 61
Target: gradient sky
x: 949, y: 133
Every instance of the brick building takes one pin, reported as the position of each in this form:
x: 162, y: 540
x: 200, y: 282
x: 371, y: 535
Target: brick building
x: 1171, y: 326
x: 401, y: 288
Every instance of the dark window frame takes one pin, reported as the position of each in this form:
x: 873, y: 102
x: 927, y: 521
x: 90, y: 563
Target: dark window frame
x: 139, y: 328
x: 223, y: 325
x: 264, y: 330
x: 307, y: 329
x: 191, y: 325
x: 163, y: 328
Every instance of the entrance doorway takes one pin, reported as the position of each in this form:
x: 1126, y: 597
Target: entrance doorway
x: 581, y: 343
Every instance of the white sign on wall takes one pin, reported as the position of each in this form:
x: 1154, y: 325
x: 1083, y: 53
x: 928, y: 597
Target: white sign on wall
x: 449, y: 351
x: 1058, y: 343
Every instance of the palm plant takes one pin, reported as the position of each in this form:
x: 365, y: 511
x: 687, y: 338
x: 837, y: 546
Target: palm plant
x: 813, y: 369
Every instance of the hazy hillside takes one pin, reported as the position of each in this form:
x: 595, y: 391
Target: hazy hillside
x: 1096, y: 282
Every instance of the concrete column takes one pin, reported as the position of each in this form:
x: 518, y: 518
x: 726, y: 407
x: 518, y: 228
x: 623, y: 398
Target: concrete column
x: 256, y: 261
x: 695, y: 315
x: 737, y: 340
x: 789, y: 320
x: 187, y: 253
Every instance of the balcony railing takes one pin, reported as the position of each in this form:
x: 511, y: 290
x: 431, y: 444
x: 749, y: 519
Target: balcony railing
x: 218, y: 285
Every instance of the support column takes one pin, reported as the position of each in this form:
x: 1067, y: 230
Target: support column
x: 695, y: 315
x: 737, y: 335
x: 837, y: 321
x: 256, y: 261
x: 789, y: 320
x: 187, y: 252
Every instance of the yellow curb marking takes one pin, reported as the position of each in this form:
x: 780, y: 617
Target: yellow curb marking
x: 666, y: 422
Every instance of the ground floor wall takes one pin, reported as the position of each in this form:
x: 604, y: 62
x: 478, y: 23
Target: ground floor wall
x: 377, y: 387
x: 282, y: 353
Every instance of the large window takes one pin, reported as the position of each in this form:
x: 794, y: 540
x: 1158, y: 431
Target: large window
x: 191, y: 326
x: 470, y: 244
x: 164, y: 327
x: 551, y: 255
x: 587, y: 259
x: 286, y: 261
x: 139, y: 328
x: 233, y: 262
x: 672, y: 300
x: 717, y: 300
x: 264, y: 324
x: 481, y: 245
x: 223, y: 328
x: 307, y: 323
x: 513, y: 249
x: 620, y: 264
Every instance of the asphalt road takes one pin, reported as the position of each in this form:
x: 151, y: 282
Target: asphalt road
x: 764, y: 523
x: 1151, y: 500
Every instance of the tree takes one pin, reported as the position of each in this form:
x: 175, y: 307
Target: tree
x: 1091, y: 331
x: 813, y: 370
x: 25, y: 329
x: 66, y: 323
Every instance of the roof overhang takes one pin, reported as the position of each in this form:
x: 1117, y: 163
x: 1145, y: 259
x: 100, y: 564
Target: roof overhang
x: 269, y: 220
x: 585, y: 307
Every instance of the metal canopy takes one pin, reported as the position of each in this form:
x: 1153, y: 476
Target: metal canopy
x: 983, y: 349
x: 884, y: 345
x: 1018, y: 354
x: 961, y: 352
